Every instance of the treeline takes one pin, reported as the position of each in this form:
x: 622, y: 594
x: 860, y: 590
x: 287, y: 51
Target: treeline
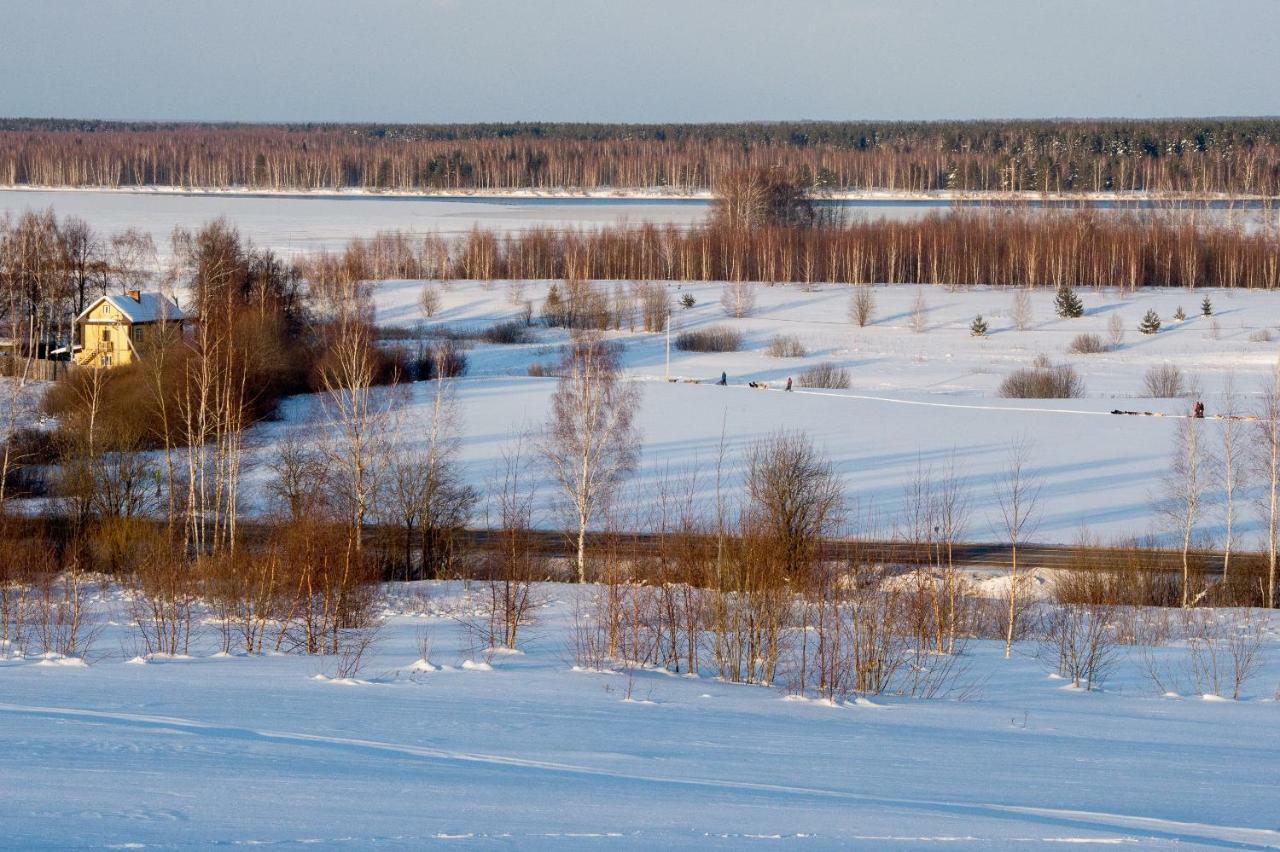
x: 1077, y: 248
x: 1218, y: 156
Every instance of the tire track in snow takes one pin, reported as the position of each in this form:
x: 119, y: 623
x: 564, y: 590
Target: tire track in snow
x: 1145, y: 828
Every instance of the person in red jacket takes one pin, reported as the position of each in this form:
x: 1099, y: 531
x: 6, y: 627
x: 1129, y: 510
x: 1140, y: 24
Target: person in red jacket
x: 788, y: 383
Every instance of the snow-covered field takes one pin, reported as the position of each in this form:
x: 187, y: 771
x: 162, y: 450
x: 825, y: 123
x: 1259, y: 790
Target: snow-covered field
x: 916, y: 398
x: 521, y: 751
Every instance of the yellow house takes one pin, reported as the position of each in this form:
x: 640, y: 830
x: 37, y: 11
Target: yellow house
x: 116, y: 330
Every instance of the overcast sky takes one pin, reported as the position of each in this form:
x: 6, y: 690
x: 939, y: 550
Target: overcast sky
x: 636, y: 60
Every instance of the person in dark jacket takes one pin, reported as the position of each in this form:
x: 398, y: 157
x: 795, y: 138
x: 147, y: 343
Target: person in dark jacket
x: 724, y: 379
x: 1199, y: 410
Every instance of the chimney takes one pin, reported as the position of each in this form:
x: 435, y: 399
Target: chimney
x: 136, y: 295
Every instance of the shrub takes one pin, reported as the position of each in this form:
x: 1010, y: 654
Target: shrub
x: 429, y: 301
x: 654, y: 305
x: 978, y: 328
x: 506, y: 333
x: 1179, y: 314
x: 1087, y: 344
x: 1164, y: 381
x: 687, y: 301
x: 862, y: 305
x: 1042, y: 381
x: 715, y: 338
x: 1206, y: 308
x: 824, y: 375
x: 540, y: 371
x: 1067, y: 304
x: 444, y: 358
x: 1262, y: 335
x: 786, y: 346
x: 1150, y: 323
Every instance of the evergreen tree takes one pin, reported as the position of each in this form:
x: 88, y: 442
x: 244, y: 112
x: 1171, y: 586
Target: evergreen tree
x: 1067, y: 303
x: 1150, y: 323
x: 687, y: 301
x: 553, y: 309
x: 1206, y: 308
x: 978, y: 328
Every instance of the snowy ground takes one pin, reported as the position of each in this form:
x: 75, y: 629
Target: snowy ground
x: 526, y: 753
x: 291, y: 223
x: 915, y: 398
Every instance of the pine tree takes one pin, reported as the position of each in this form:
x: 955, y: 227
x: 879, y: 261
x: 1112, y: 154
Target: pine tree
x: 1179, y: 314
x: 978, y: 328
x: 1150, y: 323
x: 687, y: 301
x: 1206, y: 308
x: 553, y: 311
x: 1067, y: 303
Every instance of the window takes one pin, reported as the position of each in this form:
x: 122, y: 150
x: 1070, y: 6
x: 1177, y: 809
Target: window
x: 106, y: 335
x: 135, y: 331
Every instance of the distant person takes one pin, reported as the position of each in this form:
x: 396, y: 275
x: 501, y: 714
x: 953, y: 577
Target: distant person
x: 1199, y: 410
x: 724, y: 379
x: 788, y: 383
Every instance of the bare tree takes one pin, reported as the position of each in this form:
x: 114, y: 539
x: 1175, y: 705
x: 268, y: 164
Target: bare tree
x: 1021, y: 311
x: 919, y: 317
x: 1017, y: 492
x: 590, y: 442
x: 1267, y: 463
x: 862, y: 305
x: 738, y: 298
x: 1115, y: 331
x: 360, y: 421
x: 795, y: 497
x: 1183, y: 493
x: 1230, y: 470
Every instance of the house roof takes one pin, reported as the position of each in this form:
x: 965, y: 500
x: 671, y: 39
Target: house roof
x: 150, y: 307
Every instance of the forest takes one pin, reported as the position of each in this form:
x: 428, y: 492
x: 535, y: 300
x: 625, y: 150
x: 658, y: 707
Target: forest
x: 1239, y: 157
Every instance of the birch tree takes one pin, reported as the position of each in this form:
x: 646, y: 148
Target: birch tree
x: 1017, y: 493
x: 590, y: 443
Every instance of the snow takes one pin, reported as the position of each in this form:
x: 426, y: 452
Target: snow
x: 916, y: 399
x: 249, y: 750
x: 293, y: 222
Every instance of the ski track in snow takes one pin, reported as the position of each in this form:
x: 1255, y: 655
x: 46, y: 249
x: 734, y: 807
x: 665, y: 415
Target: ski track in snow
x: 1136, y: 829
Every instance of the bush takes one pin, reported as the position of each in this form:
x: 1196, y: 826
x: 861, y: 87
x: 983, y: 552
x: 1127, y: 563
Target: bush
x: 862, y: 305
x: 444, y: 358
x: 786, y: 346
x: 978, y: 328
x: 1042, y: 381
x: 541, y: 371
x: 687, y: 301
x: 1262, y: 335
x: 1087, y: 344
x: 824, y: 375
x: 1179, y: 314
x: 506, y: 333
x: 429, y: 301
x: 715, y: 338
x: 1164, y: 381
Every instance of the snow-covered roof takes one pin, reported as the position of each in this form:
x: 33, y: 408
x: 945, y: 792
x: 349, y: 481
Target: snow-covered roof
x: 148, y: 307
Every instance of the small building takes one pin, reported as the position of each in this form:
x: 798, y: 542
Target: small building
x: 116, y: 330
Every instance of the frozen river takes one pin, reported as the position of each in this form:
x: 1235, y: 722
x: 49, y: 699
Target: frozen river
x: 297, y: 223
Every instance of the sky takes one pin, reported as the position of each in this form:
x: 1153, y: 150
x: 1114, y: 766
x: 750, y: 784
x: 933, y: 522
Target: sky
x: 636, y: 60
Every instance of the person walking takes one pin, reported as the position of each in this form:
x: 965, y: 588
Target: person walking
x: 724, y: 379
x: 788, y: 383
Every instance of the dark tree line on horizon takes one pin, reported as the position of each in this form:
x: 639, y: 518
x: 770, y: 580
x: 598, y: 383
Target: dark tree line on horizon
x: 1182, y: 156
